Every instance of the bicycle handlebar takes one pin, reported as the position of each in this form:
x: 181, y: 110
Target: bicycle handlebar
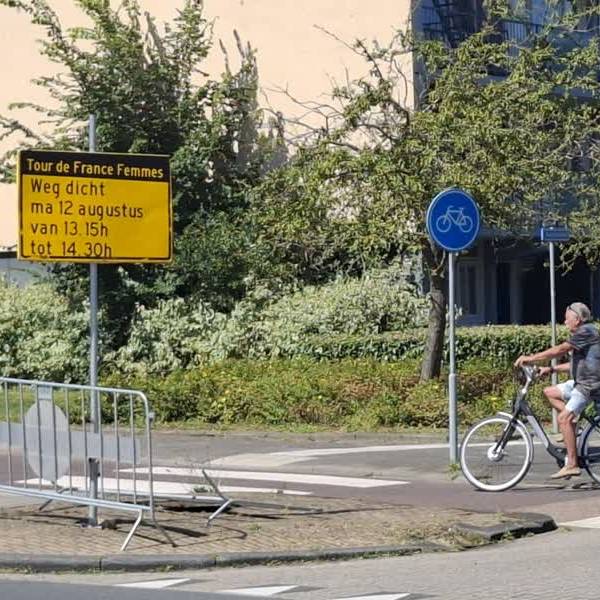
x: 531, y: 372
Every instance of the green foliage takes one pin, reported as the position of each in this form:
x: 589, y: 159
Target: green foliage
x: 179, y: 334
x: 381, y: 300
x: 500, y: 119
x: 170, y: 336
x: 355, y: 394
x: 272, y: 392
x: 40, y: 336
x: 501, y: 343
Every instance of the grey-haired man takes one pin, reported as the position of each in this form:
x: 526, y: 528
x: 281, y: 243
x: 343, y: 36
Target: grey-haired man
x: 571, y: 397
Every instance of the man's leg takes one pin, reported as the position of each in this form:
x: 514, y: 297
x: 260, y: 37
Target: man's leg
x: 557, y: 395
x: 554, y: 393
x: 566, y: 422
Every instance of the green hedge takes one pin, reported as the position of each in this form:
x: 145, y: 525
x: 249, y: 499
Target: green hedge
x: 500, y: 343
x: 363, y: 394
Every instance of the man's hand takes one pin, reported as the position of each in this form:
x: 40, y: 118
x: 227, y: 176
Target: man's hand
x: 545, y: 371
x: 524, y: 358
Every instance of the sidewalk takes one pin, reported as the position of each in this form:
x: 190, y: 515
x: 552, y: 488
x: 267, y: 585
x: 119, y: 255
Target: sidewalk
x: 274, y: 528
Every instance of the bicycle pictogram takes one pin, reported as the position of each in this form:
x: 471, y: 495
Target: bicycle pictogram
x: 454, y: 216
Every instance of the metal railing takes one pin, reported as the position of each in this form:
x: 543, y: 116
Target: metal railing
x: 514, y: 30
x: 52, y: 450
x: 511, y: 30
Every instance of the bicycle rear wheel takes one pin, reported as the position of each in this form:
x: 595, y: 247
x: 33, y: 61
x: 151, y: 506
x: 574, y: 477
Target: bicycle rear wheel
x: 590, y: 450
x: 491, y: 466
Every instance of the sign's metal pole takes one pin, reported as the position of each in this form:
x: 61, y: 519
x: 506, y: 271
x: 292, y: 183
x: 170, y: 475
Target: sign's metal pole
x: 452, y: 417
x: 453, y: 223
x: 94, y: 408
x: 553, y: 324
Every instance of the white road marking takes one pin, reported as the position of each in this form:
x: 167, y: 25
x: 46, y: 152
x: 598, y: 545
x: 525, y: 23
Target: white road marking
x: 256, y: 461
x: 375, y: 597
x: 279, y: 459
x: 310, y: 453
x: 308, y: 479
x: 286, y: 457
x: 153, y: 585
x: 163, y: 487
x: 270, y: 590
x: 591, y: 523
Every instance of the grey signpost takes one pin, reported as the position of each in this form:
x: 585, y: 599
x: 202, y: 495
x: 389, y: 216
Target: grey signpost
x: 453, y: 223
x: 94, y: 409
x: 552, y: 235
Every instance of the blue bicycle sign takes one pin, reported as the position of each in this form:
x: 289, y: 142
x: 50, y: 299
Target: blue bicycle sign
x: 453, y: 220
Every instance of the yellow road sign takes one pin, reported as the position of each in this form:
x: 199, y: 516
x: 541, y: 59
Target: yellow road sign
x: 94, y: 207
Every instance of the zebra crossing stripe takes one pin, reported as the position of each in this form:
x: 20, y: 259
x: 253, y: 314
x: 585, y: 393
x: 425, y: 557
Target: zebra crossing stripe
x: 261, y: 592
x: 175, y: 488
x: 375, y: 597
x: 591, y: 523
x: 303, y: 478
x: 153, y: 585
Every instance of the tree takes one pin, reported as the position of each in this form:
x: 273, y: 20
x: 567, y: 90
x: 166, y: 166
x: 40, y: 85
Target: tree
x: 148, y: 92
x: 502, y: 121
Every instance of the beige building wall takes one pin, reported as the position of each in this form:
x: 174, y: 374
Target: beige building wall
x: 293, y: 52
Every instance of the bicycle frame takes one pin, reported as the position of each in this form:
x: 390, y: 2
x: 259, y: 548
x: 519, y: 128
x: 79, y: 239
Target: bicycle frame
x: 478, y: 455
x: 521, y: 409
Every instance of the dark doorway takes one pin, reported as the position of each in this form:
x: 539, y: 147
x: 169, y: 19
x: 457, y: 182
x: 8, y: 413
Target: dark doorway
x: 570, y: 287
x: 503, y: 293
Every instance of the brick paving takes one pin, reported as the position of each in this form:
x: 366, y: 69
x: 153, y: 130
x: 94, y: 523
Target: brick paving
x: 290, y: 524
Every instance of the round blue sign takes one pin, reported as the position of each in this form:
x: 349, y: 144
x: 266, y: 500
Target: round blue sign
x: 453, y: 220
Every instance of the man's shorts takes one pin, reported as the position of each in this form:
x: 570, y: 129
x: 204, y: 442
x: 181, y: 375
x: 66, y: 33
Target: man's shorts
x: 575, y: 401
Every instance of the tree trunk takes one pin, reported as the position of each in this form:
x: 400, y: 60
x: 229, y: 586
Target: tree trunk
x: 434, y: 345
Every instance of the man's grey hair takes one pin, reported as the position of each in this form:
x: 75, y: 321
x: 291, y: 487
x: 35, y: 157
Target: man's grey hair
x: 581, y: 310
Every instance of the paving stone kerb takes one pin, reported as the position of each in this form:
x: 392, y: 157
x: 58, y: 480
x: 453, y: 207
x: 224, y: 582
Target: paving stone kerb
x: 283, y: 530
x: 510, y: 525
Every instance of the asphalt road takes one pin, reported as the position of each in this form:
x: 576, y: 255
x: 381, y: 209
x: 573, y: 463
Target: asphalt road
x: 32, y: 590
x: 415, y: 470
x: 422, y: 462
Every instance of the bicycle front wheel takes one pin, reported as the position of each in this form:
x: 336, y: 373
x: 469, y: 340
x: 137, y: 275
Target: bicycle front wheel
x: 494, y: 459
x: 590, y: 450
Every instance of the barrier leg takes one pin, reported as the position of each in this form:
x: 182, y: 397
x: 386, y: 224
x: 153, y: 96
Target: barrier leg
x: 132, y: 531
x: 226, y: 501
x: 163, y: 531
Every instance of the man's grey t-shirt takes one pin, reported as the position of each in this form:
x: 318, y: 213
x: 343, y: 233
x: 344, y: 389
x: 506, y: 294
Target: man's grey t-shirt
x: 585, y: 360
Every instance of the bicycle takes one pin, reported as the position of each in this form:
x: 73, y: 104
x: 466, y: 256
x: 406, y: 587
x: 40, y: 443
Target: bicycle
x: 496, y: 453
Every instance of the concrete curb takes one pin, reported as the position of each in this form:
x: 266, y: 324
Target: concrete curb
x: 49, y: 562
x: 137, y: 562
x: 518, y: 525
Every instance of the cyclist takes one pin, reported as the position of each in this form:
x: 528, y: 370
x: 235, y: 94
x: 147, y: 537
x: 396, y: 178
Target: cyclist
x: 571, y: 397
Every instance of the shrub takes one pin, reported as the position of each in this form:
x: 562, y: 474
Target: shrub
x: 352, y: 393
x: 175, y: 334
x: 380, y: 301
x: 41, y: 337
x: 185, y: 333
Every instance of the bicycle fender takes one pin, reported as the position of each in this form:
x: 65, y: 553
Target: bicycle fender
x: 503, y: 414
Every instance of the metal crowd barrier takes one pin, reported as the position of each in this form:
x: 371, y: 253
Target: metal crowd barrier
x: 79, y: 444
